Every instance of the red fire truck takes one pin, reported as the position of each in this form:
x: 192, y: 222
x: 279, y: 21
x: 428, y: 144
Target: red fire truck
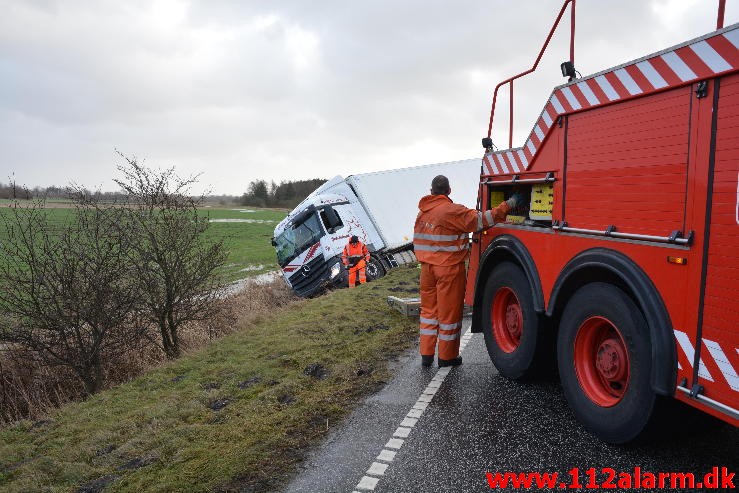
x: 624, y: 261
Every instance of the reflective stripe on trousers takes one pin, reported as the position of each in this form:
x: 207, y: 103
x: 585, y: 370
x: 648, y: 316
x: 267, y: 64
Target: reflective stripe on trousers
x: 442, y: 299
x: 450, y: 332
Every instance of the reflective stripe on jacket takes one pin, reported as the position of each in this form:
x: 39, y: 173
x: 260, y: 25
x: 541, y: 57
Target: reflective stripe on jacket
x: 440, y: 236
x: 355, y: 253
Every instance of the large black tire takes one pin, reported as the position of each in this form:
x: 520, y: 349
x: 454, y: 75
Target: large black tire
x: 374, y: 269
x: 509, y: 322
x: 604, y: 359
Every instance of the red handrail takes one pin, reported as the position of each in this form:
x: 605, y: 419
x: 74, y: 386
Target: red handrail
x: 719, y: 25
x: 533, y: 68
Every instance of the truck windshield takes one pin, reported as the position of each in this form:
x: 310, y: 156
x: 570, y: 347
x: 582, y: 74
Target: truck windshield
x: 297, y: 238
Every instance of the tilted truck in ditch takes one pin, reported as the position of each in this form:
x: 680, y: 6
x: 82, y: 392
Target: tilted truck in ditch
x: 380, y: 208
x: 624, y: 262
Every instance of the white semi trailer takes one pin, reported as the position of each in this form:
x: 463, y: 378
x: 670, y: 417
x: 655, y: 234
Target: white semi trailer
x: 380, y: 208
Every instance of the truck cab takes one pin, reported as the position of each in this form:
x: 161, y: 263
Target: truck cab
x: 310, y: 240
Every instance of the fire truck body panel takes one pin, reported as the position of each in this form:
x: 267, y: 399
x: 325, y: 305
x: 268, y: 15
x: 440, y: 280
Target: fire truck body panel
x: 643, y: 161
x: 719, y: 327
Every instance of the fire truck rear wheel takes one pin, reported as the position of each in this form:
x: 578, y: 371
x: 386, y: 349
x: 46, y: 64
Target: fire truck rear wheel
x: 604, y: 359
x: 510, y: 324
x: 374, y: 269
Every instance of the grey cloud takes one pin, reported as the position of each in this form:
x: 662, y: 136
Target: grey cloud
x: 288, y: 89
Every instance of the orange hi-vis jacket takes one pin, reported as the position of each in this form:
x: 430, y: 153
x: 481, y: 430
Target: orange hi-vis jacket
x: 440, y: 234
x: 441, y: 245
x: 355, y: 252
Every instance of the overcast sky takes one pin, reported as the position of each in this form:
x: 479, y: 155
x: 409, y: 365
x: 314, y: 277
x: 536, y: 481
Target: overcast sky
x: 242, y: 90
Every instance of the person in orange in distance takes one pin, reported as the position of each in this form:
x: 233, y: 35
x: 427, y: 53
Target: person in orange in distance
x: 441, y: 244
x: 355, y: 257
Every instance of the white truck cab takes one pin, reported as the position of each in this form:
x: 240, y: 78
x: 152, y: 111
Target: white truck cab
x: 379, y: 208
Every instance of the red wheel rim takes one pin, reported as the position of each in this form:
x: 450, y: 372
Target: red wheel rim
x: 507, y: 319
x: 601, y: 361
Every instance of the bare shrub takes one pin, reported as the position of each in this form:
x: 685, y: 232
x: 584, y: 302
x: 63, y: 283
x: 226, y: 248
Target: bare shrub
x: 29, y: 388
x: 176, y: 267
x: 65, y: 289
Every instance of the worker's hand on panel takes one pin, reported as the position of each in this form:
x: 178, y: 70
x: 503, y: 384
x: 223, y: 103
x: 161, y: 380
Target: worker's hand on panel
x: 515, y: 200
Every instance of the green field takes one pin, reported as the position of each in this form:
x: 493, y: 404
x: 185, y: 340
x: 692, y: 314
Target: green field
x: 246, y: 236
x: 247, y: 241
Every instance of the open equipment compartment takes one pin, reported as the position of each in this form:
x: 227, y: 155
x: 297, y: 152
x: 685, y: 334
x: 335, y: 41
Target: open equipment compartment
x: 537, y: 190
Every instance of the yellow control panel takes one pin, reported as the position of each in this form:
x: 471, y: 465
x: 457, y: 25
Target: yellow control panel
x: 542, y: 201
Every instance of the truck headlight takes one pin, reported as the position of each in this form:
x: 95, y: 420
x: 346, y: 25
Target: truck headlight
x: 335, y: 269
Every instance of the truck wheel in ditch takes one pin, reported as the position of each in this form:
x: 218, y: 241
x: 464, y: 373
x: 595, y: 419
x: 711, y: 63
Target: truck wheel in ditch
x: 374, y: 269
x: 604, y: 359
x: 510, y: 324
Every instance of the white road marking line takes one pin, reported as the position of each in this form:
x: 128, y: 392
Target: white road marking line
x: 430, y: 390
x: 420, y: 405
x: 377, y: 469
x: 386, y: 455
x: 394, y: 443
x: 415, y: 413
x: 402, y: 432
x: 368, y: 483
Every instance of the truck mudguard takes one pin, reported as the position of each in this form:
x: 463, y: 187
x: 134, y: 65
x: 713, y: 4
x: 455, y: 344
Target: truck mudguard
x: 602, y: 264
x: 506, y: 247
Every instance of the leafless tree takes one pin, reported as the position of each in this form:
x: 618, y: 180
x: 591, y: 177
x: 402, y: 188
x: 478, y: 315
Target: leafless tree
x: 66, y: 287
x: 177, y: 268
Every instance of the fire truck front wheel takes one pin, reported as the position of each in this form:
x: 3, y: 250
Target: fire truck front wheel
x: 604, y: 359
x: 510, y: 323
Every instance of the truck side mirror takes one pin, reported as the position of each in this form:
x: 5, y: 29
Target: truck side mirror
x: 274, y: 243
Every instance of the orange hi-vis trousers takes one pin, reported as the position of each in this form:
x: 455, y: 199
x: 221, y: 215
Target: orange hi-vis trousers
x: 442, y: 303
x: 362, y: 270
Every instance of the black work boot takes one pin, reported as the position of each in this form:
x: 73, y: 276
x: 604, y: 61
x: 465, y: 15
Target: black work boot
x: 427, y: 360
x: 450, y: 362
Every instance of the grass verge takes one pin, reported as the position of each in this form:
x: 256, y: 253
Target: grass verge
x: 235, y: 416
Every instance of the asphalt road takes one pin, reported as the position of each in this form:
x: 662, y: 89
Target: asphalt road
x: 478, y: 422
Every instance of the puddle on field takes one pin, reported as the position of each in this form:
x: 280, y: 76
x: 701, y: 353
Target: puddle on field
x: 251, y: 268
x: 243, y: 210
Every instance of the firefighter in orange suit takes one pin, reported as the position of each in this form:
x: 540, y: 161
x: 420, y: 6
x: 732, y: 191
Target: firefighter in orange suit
x: 355, y: 257
x: 441, y: 244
